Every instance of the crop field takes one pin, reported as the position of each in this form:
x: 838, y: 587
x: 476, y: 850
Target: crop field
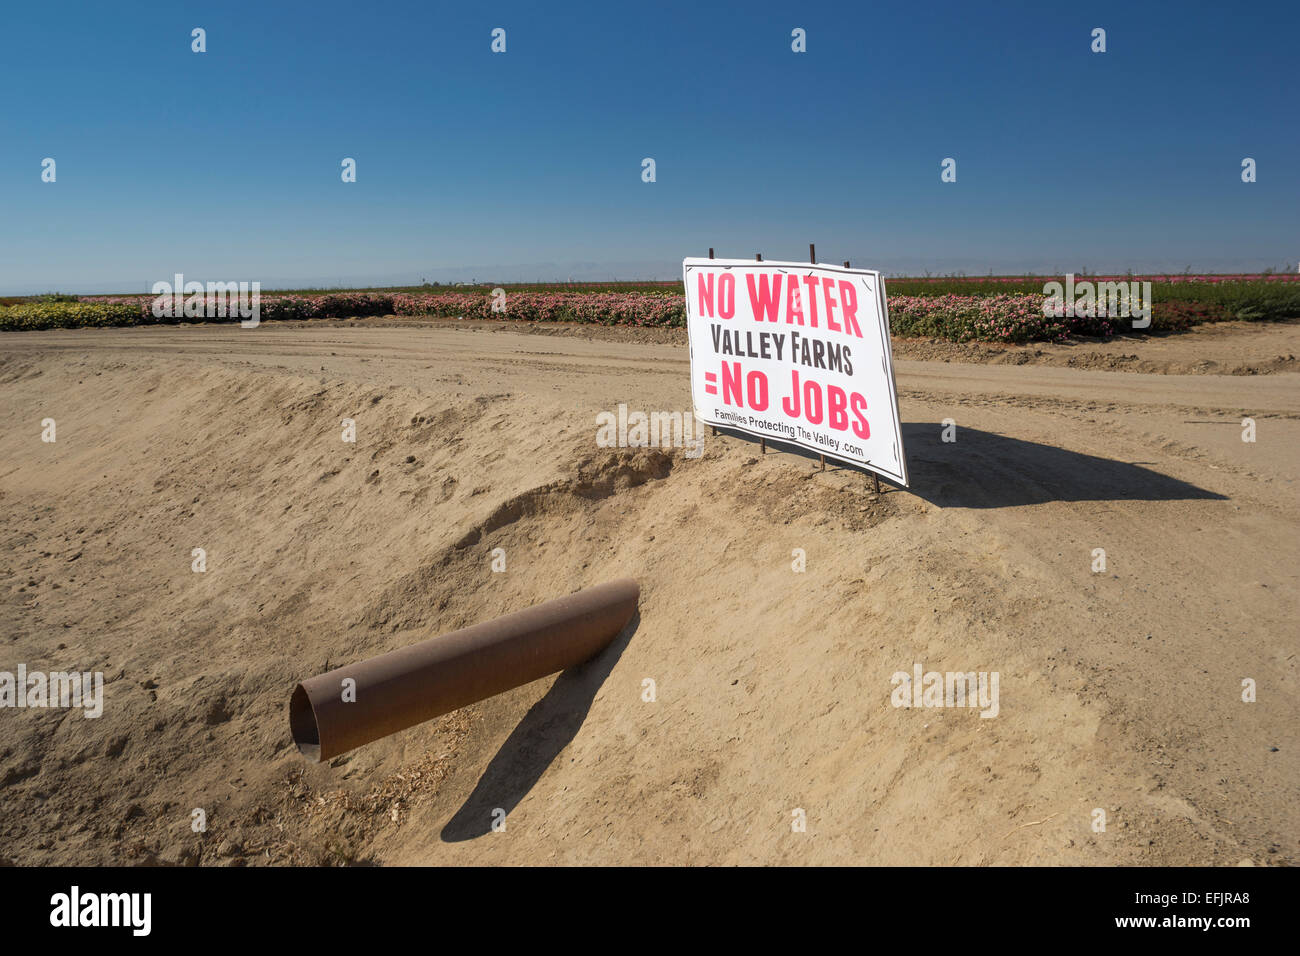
x: 957, y: 309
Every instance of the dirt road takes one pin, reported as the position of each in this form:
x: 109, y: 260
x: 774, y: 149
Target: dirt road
x: 1121, y: 691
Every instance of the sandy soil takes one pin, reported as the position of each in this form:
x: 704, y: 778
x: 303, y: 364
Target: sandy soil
x: 1118, y: 690
x: 1220, y: 348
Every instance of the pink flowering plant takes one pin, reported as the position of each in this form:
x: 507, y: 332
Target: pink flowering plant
x: 957, y: 309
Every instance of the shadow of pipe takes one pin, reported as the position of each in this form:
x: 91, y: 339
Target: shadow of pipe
x: 548, y: 727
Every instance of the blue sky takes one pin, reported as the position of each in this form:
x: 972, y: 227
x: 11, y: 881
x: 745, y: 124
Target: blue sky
x: 527, y: 165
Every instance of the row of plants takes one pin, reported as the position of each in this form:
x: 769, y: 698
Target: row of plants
x: 1222, y: 297
x: 976, y: 313
x: 1018, y: 317
x: 663, y: 308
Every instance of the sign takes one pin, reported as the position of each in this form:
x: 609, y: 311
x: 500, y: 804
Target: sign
x: 798, y: 353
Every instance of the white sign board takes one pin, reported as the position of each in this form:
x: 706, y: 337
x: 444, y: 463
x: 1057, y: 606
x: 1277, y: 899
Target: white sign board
x: 797, y: 353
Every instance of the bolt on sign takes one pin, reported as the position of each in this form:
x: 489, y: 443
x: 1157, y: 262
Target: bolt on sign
x: 798, y: 353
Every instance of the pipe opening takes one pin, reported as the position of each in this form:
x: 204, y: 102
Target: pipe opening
x: 302, y: 724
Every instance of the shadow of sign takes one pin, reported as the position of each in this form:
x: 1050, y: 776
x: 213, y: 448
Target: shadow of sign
x: 985, y: 470
x: 545, y: 731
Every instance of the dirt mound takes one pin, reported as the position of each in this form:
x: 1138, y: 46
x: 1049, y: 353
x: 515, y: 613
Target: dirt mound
x: 778, y: 601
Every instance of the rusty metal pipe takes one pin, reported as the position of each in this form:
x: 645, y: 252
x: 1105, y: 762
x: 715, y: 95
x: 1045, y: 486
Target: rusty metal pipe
x: 413, y: 684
